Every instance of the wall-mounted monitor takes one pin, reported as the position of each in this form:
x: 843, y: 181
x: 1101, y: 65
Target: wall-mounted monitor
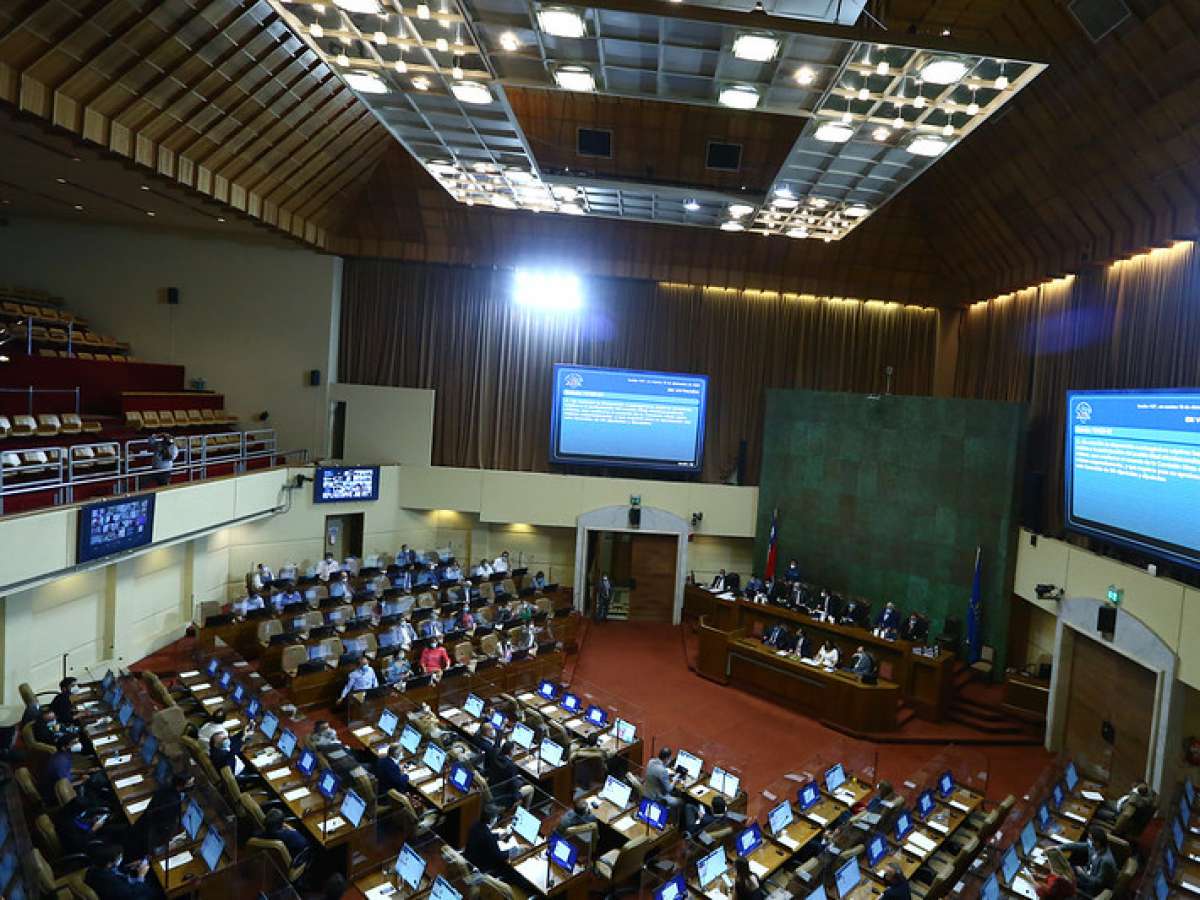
x: 1132, y: 469
x: 628, y: 418
x: 114, y: 526
x: 345, y: 484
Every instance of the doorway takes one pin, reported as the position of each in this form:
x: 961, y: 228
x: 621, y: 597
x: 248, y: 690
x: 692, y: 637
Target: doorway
x: 642, y: 570
x: 344, y: 535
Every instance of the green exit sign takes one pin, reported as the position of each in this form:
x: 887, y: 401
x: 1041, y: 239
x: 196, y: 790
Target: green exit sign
x: 635, y: 499
x: 1115, y: 595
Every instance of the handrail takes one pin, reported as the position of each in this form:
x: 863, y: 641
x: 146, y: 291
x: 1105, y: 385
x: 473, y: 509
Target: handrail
x: 31, y: 390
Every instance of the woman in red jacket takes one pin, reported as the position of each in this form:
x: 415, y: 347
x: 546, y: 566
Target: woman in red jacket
x: 1057, y: 880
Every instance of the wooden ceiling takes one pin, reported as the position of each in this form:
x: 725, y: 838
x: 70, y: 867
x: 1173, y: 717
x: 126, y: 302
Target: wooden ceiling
x: 1100, y: 157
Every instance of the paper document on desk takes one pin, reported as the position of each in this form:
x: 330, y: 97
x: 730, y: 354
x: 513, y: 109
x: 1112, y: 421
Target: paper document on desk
x: 922, y: 840
x: 1092, y: 796
x: 107, y: 739
x: 192, y: 674
x: 118, y: 760
x: 508, y: 843
x: 240, y: 664
x: 202, y: 686
x: 626, y: 821
x: 179, y: 859
x: 332, y: 824
x: 295, y: 794
x: 725, y: 595
x: 1071, y: 814
x: 135, y: 808
x: 1060, y: 837
x: 959, y: 805
x: 276, y: 774
x: 758, y: 868
x: 121, y: 783
x: 231, y: 723
x: 381, y: 892
x: 364, y: 731
x: 213, y: 701
x: 527, y: 696
x: 265, y: 758
x: 1190, y: 886
x: 808, y: 661
x: 820, y: 820
x: 914, y: 850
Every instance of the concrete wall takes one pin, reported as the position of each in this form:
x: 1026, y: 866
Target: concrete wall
x: 252, y: 320
x: 386, y: 425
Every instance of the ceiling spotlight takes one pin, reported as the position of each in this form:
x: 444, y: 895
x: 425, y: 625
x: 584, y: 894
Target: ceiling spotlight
x: 691, y: 205
x: 220, y: 218
x: 367, y: 7
x: 457, y: 72
x: 944, y: 71
x: 919, y: 102
x: 972, y: 108
x: 785, y: 203
x: 857, y: 211
x: 898, y: 122
x: 509, y: 42
x: 924, y: 145
x: 471, y: 92
x: 422, y: 10
x: 316, y: 30
x: 150, y: 213
x: 732, y: 226
x: 818, y: 202
x: 366, y: 82
x: 882, y: 68
x: 78, y: 207
x: 61, y: 180
x: 834, y: 133
x: 575, y: 78
x: 145, y: 187
x: 739, y: 210
x: 441, y: 45
x: 801, y: 232
x: 401, y: 66
x: 1001, y: 79
x: 863, y: 93
x: 421, y: 83
x: 380, y: 39
x: 342, y: 60
x: 881, y: 133
x: 739, y: 96
x: 948, y: 130
x: 560, y: 22
x: 755, y: 47
x: 805, y: 75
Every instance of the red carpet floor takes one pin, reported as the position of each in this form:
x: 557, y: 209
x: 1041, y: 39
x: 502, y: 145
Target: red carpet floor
x: 645, y: 665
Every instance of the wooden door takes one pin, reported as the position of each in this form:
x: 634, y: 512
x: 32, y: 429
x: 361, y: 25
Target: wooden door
x: 652, y: 569
x: 1108, y: 687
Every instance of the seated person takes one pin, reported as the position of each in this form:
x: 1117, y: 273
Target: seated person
x: 214, y: 721
x: 77, y: 825
x: 484, y: 569
x: 526, y: 639
x: 1139, y: 797
x: 276, y: 829
x: 579, y: 814
x: 159, y: 824
x: 398, y: 670
x: 326, y: 742
x: 914, y: 629
x: 828, y: 607
x: 402, y: 579
x: 430, y: 574
x: 854, y: 613
x: 483, y: 848
x: 862, y: 663
x: 802, y: 645
x: 47, y: 728
x: 288, y: 572
x: 250, y: 603
x: 508, y: 787
x: 110, y: 881
x: 223, y: 752
x: 753, y: 585
x: 696, y: 820
x: 431, y: 627
x: 896, y: 884
x: 265, y: 575
x: 434, y: 658
x: 828, y: 656
x: 1099, y: 873
x: 406, y: 556
x: 289, y: 596
x: 500, y: 564
x: 453, y: 572
x: 361, y: 679
x: 503, y: 614
x: 1055, y: 880
x: 328, y: 567
x: 779, y: 637
x: 408, y: 634
x: 339, y: 587
x: 718, y: 582
x: 389, y: 771
x: 539, y: 581
x: 465, y: 620
x: 504, y: 649
x: 888, y: 623
x: 59, y: 765
x: 63, y: 704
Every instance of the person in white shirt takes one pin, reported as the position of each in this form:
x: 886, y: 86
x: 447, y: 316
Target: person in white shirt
x: 327, y: 567
x: 265, y: 574
x: 453, y: 572
x: 253, y: 581
x: 500, y: 565
x: 361, y: 679
x: 246, y: 604
x: 484, y: 569
x: 287, y: 572
x: 828, y: 655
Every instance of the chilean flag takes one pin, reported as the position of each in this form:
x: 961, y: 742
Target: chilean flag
x: 772, y: 546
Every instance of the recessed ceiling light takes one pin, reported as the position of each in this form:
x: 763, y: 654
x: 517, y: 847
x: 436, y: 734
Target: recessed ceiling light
x: 422, y: 10
x: 316, y: 30
x: 1001, y: 81
x: 883, y: 67
x: 471, y: 92
x: 441, y: 45
x: 342, y: 60
x: 79, y: 207
x: 401, y: 66
x: 881, y: 133
x: 944, y: 71
x: 856, y: 212
x: 732, y: 226
x: 575, y: 78
x: 560, y: 22
x: 919, y: 101
x: 755, y: 47
x: 691, y: 205
x: 738, y: 210
x: 797, y: 232
x: 61, y: 180
x: 457, y: 72
x: 864, y: 93
x: 76, y: 159
x: 924, y: 145
x: 834, y: 133
x: 805, y: 75
x: 739, y: 96
x: 145, y: 187
x: 366, y: 82
x: 150, y: 213
x: 818, y: 202
x: 785, y: 203
x: 972, y: 108
x: 220, y: 218
x: 380, y: 38
x: 367, y: 7
x: 510, y: 42
x: 898, y: 122
x: 421, y: 83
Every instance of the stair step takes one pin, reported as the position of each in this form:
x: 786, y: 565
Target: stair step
x: 978, y: 710
x: 1007, y: 726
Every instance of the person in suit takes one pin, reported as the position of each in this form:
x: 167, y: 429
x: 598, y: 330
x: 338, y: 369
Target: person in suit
x: 793, y: 571
x: 508, y: 788
x: 718, y: 582
x: 63, y: 703
x: 276, y: 829
x: 389, y: 772
x: 829, y: 607
x: 223, y: 752
x: 745, y: 883
x: 896, y: 884
x: 914, y: 629
x: 854, y: 613
x: 753, y: 585
x: 778, y: 636
x: 111, y: 882
x: 888, y: 623
x: 862, y: 663
x: 483, y: 848
x: 604, y: 596
x: 47, y: 728
x: 1139, y: 797
x: 1100, y: 871
x: 659, y: 782
x: 803, y: 645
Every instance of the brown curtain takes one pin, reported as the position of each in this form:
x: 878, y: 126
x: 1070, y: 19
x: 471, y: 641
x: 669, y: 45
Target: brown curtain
x: 1133, y: 324
x: 457, y: 331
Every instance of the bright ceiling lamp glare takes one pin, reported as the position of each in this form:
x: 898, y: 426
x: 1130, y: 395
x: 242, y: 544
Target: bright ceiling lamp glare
x: 342, y: 60
x: 1001, y: 79
x: 509, y: 42
x: 739, y: 96
x: 401, y: 66
x: 571, y: 209
x: 691, y: 205
x: 365, y: 82
x: 925, y: 145
x: 564, y: 192
x: 785, y: 192
x: 560, y: 22
x: 380, y: 39
x: 740, y: 210
x: 422, y: 10
x: 316, y: 30
x: 785, y: 203
x: 856, y: 212
x: 797, y: 232
x: 881, y: 133
x: 421, y: 83
x: 575, y: 78
x: 732, y: 226
x: 834, y: 133
x: 755, y: 47
x: 548, y: 292
x: 864, y: 93
x: 883, y: 67
x: 441, y: 45
x: 818, y: 202
x: 366, y: 7
x: 944, y: 71
x: 471, y: 92
x: 805, y: 75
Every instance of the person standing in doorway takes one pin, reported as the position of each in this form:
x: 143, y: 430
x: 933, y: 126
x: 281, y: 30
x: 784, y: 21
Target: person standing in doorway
x: 604, y: 595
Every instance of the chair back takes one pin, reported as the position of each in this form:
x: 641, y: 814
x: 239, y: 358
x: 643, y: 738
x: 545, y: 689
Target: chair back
x: 28, y: 697
x: 253, y: 811
x: 464, y: 652
x: 32, y: 743
x: 294, y: 655
x: 28, y: 789
x: 47, y: 836
x: 64, y: 791
x: 630, y: 859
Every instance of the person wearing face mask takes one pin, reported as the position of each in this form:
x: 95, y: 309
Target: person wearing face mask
x: 63, y: 703
x: 434, y: 658
x: 431, y: 627
x: 111, y: 881
x: 326, y: 742
x: 59, y: 766
x: 389, y: 771
x: 47, y: 728
x: 223, y: 751
x: 361, y: 679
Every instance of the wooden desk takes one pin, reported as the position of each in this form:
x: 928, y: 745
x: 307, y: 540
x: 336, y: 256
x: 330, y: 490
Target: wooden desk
x: 1026, y: 696
x: 534, y: 869
x: 836, y: 697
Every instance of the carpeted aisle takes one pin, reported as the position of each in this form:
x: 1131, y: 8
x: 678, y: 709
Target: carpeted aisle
x: 646, y: 665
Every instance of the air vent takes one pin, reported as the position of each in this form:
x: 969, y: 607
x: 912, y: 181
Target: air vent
x: 1099, y: 17
x: 726, y: 157
x: 594, y: 142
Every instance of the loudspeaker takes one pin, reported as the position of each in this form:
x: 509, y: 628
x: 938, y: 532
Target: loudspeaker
x: 1106, y: 619
x: 173, y: 296
x: 635, y: 517
x: 314, y: 377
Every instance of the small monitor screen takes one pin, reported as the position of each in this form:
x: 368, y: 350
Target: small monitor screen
x: 990, y: 889
x: 946, y: 784
x: 211, y: 849
x: 410, y: 866
x: 925, y: 803
x: 327, y: 785
x: 691, y: 765
x: 1177, y: 835
x: 163, y: 771
x: 808, y: 796
x: 114, y: 526
x: 253, y: 707
x: 835, y: 778
x: 847, y: 878
x: 442, y: 890
x: 1057, y: 793
x: 552, y: 753
x: 780, y: 818
x: 1161, y: 889
x: 498, y: 721
x: 1009, y: 865
x: 286, y: 743
x: 817, y: 894
x: 269, y: 725
x: 711, y: 867
x: 212, y: 667
x: 876, y: 849
x: 461, y: 778
x: 616, y: 792
x: 345, y: 484
x: 473, y: 706
x: 653, y: 814
x: 307, y: 763
x: 749, y: 839
x: 388, y: 721
x: 724, y: 782
x: 527, y: 825
x: 353, y: 807
x: 224, y: 680
x: 410, y: 739
x: 434, y: 757
x: 125, y: 712
x: 1028, y: 838
x: 193, y: 818
x: 563, y: 853
x: 547, y: 690
x: 1190, y: 792
x: 1043, y: 816
x: 626, y: 731
x: 674, y: 889
x: 904, y: 824
x: 1169, y: 861
x: 137, y: 727
x: 1071, y: 775
x: 597, y: 716
x: 571, y: 703
x: 239, y: 691
x: 107, y: 680
x: 522, y: 735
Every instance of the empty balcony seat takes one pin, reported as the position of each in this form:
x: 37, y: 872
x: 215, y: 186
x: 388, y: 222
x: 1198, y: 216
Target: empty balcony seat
x: 71, y: 424
x: 150, y: 419
x: 133, y: 419
x: 24, y: 426
x: 83, y: 458
x: 5, y: 427
x: 48, y: 425
x: 166, y: 419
